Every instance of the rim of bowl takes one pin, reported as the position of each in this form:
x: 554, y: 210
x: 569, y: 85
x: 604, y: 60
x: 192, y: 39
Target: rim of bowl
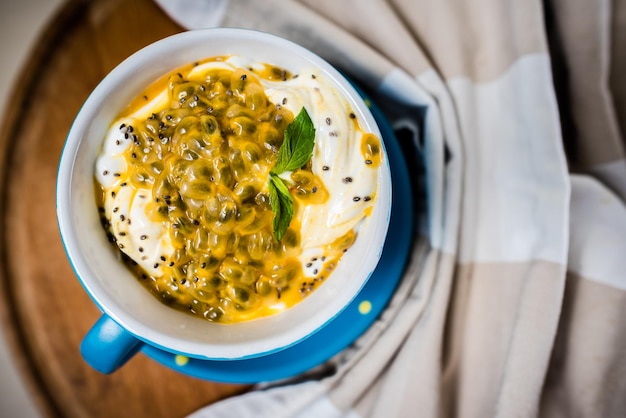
x: 82, y: 122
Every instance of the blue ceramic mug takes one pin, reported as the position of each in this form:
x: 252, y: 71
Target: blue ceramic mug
x: 131, y: 316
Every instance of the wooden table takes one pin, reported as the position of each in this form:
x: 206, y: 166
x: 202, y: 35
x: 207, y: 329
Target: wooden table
x: 42, y: 304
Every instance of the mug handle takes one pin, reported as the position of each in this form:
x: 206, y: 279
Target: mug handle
x: 107, y: 346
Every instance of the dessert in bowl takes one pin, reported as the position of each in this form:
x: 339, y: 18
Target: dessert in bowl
x: 223, y: 194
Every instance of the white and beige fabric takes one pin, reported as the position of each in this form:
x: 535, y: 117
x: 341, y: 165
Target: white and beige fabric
x: 514, y: 301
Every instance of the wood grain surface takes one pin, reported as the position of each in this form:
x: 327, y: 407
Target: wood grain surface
x: 44, y: 308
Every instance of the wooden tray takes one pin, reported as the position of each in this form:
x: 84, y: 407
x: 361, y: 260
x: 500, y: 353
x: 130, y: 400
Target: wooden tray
x: 44, y: 309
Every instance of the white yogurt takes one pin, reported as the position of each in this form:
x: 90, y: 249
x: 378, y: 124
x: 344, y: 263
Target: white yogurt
x: 337, y: 161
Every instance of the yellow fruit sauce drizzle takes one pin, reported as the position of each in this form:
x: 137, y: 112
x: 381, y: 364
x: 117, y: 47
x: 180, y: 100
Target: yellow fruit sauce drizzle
x: 206, y: 157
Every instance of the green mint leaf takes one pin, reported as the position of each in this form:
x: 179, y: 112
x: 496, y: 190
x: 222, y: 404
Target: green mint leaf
x: 296, y: 151
x: 297, y: 147
x: 282, y: 206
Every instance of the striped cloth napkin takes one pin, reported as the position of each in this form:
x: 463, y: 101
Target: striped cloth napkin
x: 514, y: 301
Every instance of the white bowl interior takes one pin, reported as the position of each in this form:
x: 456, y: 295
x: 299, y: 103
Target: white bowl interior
x: 110, y: 283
